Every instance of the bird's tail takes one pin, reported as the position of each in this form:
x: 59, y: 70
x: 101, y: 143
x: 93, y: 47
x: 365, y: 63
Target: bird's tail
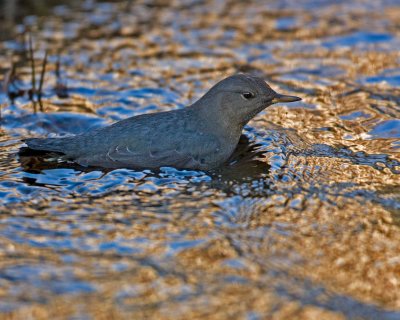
x: 48, y: 144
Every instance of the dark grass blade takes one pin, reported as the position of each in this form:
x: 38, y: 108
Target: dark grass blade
x: 42, y: 80
x: 32, y: 59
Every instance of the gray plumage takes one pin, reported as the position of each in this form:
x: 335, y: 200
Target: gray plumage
x: 201, y: 136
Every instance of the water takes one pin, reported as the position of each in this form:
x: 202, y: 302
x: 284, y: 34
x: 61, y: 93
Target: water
x: 303, y: 222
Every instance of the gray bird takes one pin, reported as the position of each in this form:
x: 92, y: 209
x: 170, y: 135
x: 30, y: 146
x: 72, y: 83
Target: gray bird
x: 201, y: 136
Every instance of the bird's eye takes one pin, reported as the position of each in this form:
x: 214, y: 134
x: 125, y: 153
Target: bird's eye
x: 248, y: 95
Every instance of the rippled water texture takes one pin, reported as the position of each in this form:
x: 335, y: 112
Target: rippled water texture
x: 303, y: 223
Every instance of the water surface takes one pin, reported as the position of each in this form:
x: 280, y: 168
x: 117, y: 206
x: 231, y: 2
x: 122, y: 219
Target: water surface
x: 302, y: 223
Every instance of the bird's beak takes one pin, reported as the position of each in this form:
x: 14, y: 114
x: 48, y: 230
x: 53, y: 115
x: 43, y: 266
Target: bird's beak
x: 284, y: 98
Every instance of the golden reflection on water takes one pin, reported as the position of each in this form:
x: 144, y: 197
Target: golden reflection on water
x: 308, y: 231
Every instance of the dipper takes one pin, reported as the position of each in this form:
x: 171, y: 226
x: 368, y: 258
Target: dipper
x: 201, y: 136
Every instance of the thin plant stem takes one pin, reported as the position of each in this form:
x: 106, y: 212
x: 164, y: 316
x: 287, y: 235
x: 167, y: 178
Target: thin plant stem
x: 32, y: 58
x: 42, y: 80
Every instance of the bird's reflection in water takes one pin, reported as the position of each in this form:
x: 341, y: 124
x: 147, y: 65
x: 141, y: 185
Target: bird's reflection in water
x: 33, y: 161
x: 245, y: 164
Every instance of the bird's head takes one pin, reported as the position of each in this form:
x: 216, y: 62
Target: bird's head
x: 240, y: 97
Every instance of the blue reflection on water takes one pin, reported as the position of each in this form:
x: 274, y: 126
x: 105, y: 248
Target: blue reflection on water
x: 390, y: 77
x: 357, y: 38
x: 387, y: 129
x: 355, y: 115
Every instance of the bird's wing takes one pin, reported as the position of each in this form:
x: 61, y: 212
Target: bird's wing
x: 182, y: 152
